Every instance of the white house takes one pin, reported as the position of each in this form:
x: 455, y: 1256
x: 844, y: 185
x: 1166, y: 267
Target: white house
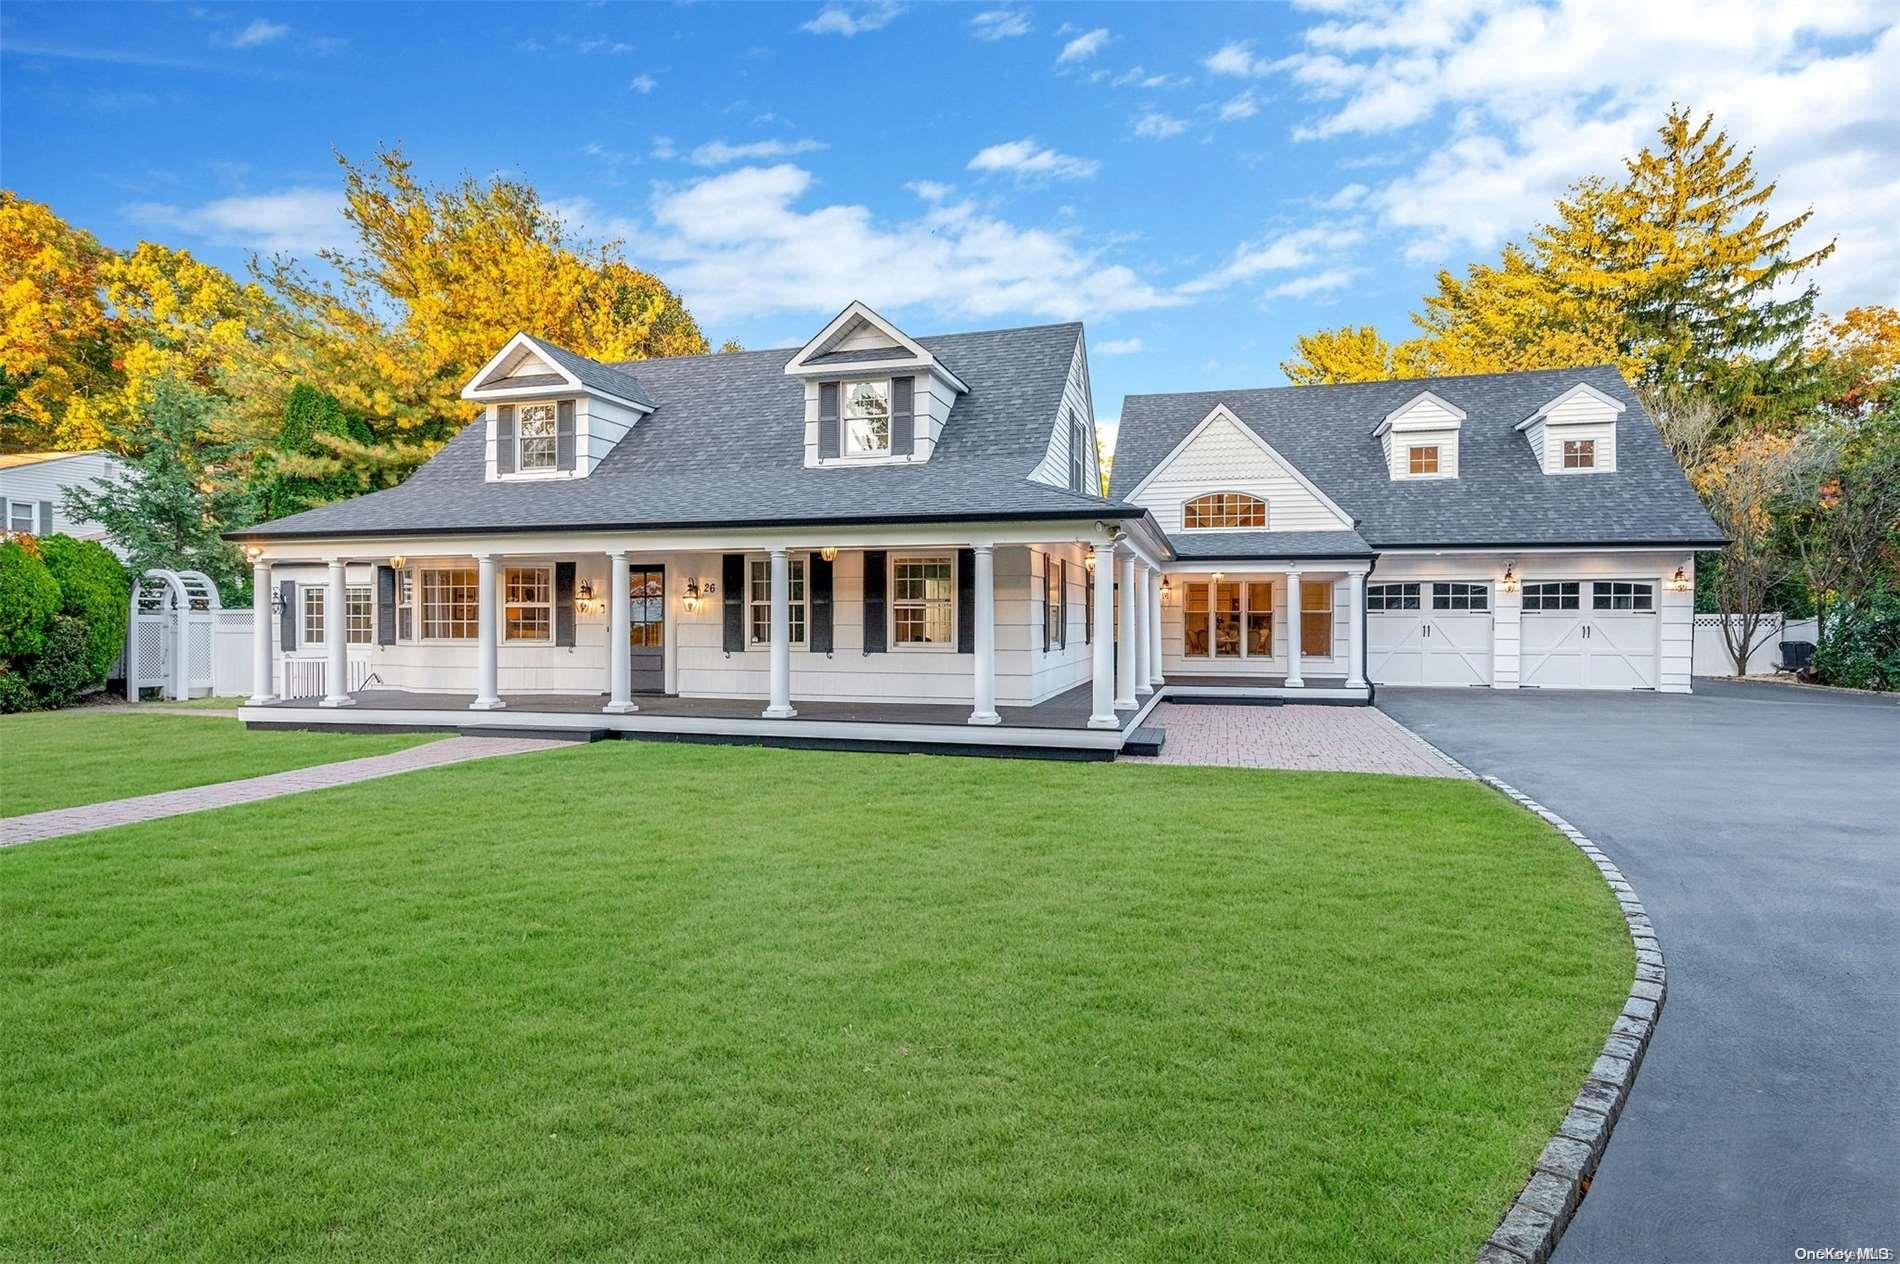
x: 897, y: 541
x: 33, y: 486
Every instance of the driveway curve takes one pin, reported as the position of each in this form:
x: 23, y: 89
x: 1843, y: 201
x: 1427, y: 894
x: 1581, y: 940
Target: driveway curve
x: 1761, y: 826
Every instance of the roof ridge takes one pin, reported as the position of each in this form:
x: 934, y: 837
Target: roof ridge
x: 1383, y: 381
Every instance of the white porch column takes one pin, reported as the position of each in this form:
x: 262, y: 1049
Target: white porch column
x: 619, y: 631
x: 1356, y: 634
x: 487, y: 689
x: 336, y: 639
x: 261, y: 690
x: 1156, y: 677
x: 984, y: 711
x: 1293, y: 680
x: 1102, y: 660
x: 781, y: 704
x: 1144, y: 644
x: 1125, y: 641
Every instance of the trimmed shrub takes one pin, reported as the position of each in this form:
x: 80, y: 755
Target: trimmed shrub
x: 29, y: 598
x: 15, y: 694
x: 62, y: 671
x: 1861, y: 649
x: 93, y: 589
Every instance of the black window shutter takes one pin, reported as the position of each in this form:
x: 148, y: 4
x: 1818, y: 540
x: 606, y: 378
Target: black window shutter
x: 903, y: 416
x: 564, y: 603
x: 732, y: 577
x: 504, y: 439
x: 385, y: 605
x: 876, y: 637
x: 818, y: 585
x: 287, y: 617
x: 564, y: 435
x: 1088, y: 607
x: 966, y: 601
x: 46, y: 517
x: 1048, y: 605
x: 828, y: 421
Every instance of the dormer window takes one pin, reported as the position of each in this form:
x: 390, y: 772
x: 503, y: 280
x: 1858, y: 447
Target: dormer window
x: 538, y: 439
x: 1224, y: 510
x: 1575, y: 433
x: 1420, y: 437
x: 1422, y: 459
x: 1580, y: 454
x: 867, y: 419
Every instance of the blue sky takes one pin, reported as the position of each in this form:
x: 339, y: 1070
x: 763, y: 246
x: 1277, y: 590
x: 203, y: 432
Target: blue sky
x: 1199, y: 182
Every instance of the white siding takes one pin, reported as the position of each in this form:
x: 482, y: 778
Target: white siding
x: 1398, y: 445
x: 1225, y: 458
x: 1582, y: 416
x: 931, y: 399
x: 1079, y: 403
x: 47, y: 481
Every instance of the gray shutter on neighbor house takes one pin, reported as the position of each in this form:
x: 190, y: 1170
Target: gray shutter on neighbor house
x: 732, y: 576
x: 818, y: 585
x: 564, y: 603
x: 876, y: 636
x: 829, y: 441
x: 564, y: 435
x: 46, y: 517
x: 287, y: 617
x: 966, y: 601
x: 385, y: 605
x: 504, y: 438
x: 903, y: 416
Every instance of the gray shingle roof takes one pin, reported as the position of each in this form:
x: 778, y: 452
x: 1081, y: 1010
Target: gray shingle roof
x: 866, y: 354
x: 726, y: 446
x: 613, y: 379
x: 1501, y: 495
x: 1191, y: 546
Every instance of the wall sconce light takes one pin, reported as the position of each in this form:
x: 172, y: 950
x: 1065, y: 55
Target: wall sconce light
x: 586, y: 590
x: 398, y: 561
x: 1679, y: 582
x: 253, y: 551
x: 829, y: 552
x: 1509, y: 582
x: 1167, y: 590
x: 692, y: 596
x: 1088, y: 561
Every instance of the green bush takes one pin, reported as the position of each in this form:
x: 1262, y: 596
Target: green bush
x: 29, y: 598
x: 93, y: 589
x: 1861, y: 648
x: 15, y: 694
x: 62, y: 671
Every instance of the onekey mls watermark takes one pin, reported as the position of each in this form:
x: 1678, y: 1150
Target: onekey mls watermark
x: 1843, y: 1253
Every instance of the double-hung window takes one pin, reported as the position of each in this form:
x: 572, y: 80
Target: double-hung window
x: 20, y: 517
x: 1228, y: 619
x: 314, y: 599
x: 867, y: 418
x: 359, y: 623
x: 1316, y: 619
x: 537, y: 438
x: 1580, y: 454
x: 405, y: 605
x: 759, y: 599
x: 450, y: 597
x: 527, y: 603
x: 1055, y: 606
x: 923, y: 601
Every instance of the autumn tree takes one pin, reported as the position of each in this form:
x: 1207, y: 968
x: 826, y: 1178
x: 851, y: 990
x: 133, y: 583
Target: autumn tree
x: 1742, y: 482
x: 1859, y: 358
x: 1351, y: 353
x: 55, y: 337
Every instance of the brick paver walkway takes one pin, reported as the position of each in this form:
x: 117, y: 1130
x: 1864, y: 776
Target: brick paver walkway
x: 150, y: 807
x: 1318, y: 739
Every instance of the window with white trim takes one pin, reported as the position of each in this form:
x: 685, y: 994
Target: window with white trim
x: 759, y: 599
x: 1580, y: 454
x: 1475, y: 598
x: 537, y: 437
x: 527, y: 603
x: 1055, y: 631
x: 405, y: 605
x: 867, y: 418
x: 1551, y: 595
x: 359, y: 614
x: 1619, y: 594
x: 20, y: 517
x: 923, y: 601
x: 1316, y: 618
x: 1227, y: 619
x: 1062, y: 604
x: 314, y: 598
x: 450, y: 599
x: 1218, y: 510
x: 1422, y: 458
x: 1391, y: 598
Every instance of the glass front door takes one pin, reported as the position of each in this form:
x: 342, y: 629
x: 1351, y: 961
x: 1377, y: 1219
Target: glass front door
x: 647, y: 627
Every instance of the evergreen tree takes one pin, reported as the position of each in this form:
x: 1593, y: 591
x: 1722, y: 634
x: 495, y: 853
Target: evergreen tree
x: 303, y: 468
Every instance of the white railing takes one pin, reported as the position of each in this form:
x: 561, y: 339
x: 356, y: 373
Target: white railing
x: 309, y: 677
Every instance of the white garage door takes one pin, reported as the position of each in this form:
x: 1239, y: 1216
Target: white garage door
x: 1434, y: 632
x: 1590, y: 634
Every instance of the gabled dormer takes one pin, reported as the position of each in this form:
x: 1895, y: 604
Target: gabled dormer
x: 1575, y: 433
x: 552, y: 414
x: 873, y: 394
x: 1225, y: 476
x: 1420, y: 437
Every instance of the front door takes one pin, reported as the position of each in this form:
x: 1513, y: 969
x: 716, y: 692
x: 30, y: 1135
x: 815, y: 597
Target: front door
x: 646, y: 626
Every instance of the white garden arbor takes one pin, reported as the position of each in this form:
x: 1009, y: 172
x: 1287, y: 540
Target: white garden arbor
x: 168, y: 644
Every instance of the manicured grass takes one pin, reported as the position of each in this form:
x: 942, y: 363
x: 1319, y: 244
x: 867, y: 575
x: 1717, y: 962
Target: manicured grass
x: 59, y: 759
x: 639, y: 1001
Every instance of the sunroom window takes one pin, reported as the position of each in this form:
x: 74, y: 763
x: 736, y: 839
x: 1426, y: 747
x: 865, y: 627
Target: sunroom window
x: 867, y: 418
x: 1228, y: 619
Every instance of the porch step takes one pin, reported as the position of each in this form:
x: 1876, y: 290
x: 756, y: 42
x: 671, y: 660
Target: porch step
x: 529, y: 730
x: 1146, y: 740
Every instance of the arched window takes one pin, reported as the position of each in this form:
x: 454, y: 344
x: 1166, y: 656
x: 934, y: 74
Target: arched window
x: 1224, y: 509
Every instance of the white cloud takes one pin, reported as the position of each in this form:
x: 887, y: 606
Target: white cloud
x: 1336, y: 278
x: 1241, y: 107
x: 1083, y: 46
x: 258, y: 33
x: 643, y: 84
x: 664, y: 149
x: 719, y: 153
x: 1138, y: 77
x: 1276, y: 252
x: 1527, y: 100
x: 1118, y: 347
x: 1026, y: 160
x: 1154, y: 125
x: 849, y: 20
x: 293, y: 221
x: 751, y: 242
x: 930, y: 190
x: 1236, y: 58
x: 1346, y: 198
x: 999, y: 24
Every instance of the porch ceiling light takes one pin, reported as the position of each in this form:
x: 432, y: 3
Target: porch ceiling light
x: 1679, y: 582
x: 1219, y: 575
x: 829, y: 552
x: 255, y: 551
x: 398, y: 561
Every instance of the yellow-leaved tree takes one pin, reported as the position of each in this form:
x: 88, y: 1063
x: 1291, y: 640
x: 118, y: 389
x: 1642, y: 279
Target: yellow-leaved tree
x: 55, y: 337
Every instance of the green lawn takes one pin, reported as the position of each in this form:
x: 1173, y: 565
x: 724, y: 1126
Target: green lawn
x: 59, y: 759
x: 681, y: 1002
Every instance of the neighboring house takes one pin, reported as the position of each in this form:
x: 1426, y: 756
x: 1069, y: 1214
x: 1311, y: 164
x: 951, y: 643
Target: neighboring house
x: 33, y: 487
x: 882, y: 539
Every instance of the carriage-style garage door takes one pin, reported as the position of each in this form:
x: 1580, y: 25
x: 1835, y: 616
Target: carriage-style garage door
x: 1590, y: 634
x: 1433, y: 632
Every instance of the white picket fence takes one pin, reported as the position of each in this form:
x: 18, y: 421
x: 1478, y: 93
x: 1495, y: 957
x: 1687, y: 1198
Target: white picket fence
x: 1712, y: 657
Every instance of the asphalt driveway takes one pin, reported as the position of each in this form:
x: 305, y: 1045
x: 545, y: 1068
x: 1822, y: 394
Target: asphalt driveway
x: 1761, y: 826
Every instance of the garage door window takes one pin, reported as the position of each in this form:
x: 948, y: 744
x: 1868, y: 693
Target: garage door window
x: 1472, y: 597
x: 1621, y: 595
x: 1388, y: 598
x: 1551, y: 596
